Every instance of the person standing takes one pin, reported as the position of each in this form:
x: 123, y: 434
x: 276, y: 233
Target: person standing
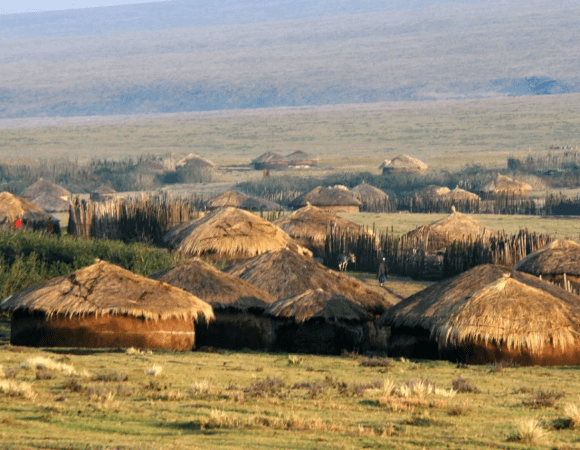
x: 383, y: 271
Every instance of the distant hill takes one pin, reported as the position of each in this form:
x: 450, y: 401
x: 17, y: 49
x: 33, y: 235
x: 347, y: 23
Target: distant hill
x: 183, y: 56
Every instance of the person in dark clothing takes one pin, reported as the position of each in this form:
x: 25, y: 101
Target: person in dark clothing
x: 382, y: 272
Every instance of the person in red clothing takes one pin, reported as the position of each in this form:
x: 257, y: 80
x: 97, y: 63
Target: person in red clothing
x: 18, y: 223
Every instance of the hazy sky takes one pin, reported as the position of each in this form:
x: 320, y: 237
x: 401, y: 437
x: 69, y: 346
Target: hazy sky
x: 23, y: 6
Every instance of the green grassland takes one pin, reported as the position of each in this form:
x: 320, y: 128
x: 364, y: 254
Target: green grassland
x: 136, y: 400
x: 445, y: 134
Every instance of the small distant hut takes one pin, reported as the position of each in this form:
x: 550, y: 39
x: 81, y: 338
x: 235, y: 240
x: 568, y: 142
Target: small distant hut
x: 461, y: 195
x: 384, y: 164
x: 32, y: 217
x: 300, y: 159
x: 431, y: 193
x: 285, y: 274
x: 230, y: 234
x: 405, y: 164
x: 329, y: 198
x: 43, y: 187
x: 369, y: 195
x: 270, y: 161
x: 507, y: 187
x: 316, y: 321
x: 104, y: 305
x: 557, y: 262
x: 242, y: 201
x: 103, y: 193
x: 485, y: 315
x: 193, y: 160
x: 309, y: 226
x: 237, y: 305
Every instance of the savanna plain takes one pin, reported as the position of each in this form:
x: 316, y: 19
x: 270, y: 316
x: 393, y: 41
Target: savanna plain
x: 128, y: 399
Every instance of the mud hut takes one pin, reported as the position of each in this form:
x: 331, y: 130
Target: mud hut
x: 405, y: 164
x: 242, y: 201
x: 369, y: 195
x: 557, y: 262
x: 237, y: 305
x: 485, y: 315
x: 506, y: 186
x: 104, y: 305
x: 230, y: 234
x: 269, y: 161
x: 301, y: 160
x: 285, y: 274
x: 461, y: 227
x: 316, y: 321
x: 329, y: 198
x: 309, y: 225
x: 103, y: 193
x: 31, y: 215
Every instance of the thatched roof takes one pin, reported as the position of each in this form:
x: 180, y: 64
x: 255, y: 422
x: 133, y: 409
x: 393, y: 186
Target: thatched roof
x: 13, y: 207
x: 426, y: 233
x: 221, y: 290
x: 51, y: 203
x: 242, y: 201
x: 284, y: 274
x: 384, y: 164
x: 300, y: 158
x: 503, y: 185
x: 104, y: 289
x: 369, y: 194
x: 432, y: 192
x: 193, y: 160
x: 104, y: 189
x: 231, y: 233
x: 318, y: 304
x: 555, y: 258
x: 405, y: 163
x: 312, y: 223
x: 460, y: 195
x: 458, y: 226
x: 492, y: 304
x: 270, y: 160
x: 45, y: 187
x: 320, y: 196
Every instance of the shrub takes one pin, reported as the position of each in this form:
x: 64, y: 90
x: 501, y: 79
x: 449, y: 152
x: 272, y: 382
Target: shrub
x: 463, y: 385
x: 542, y: 399
x: 528, y: 431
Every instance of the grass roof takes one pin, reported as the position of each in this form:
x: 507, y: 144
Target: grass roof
x: 284, y: 274
x: 104, y: 289
x: 12, y: 207
x: 238, y: 200
x: 318, y: 304
x: 406, y: 162
x: 367, y: 193
x: 555, y: 258
x: 492, y: 304
x: 458, y: 226
x: 51, y: 203
x: 42, y: 187
x: 194, y: 160
x: 231, y: 233
x: 432, y: 192
x: 312, y: 223
x: 221, y: 290
x: 459, y: 194
x: 507, y: 186
x: 325, y: 196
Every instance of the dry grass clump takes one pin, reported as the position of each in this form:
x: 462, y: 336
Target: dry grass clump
x: 463, y: 385
x: 42, y: 363
x: 542, y: 399
x: 200, y: 388
x: 528, y: 431
x: 14, y: 388
x: 154, y: 370
x: 572, y: 412
x: 136, y: 351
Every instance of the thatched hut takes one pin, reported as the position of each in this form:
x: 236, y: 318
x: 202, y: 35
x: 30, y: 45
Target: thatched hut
x: 384, y: 164
x: 270, y: 160
x: 506, y: 186
x: 405, y: 164
x: 460, y: 195
x: 284, y: 274
x: 31, y: 215
x: 103, y: 193
x: 461, y: 227
x: 194, y: 161
x: 230, y: 234
x: 104, y: 305
x: 431, y: 193
x: 329, y: 198
x: 369, y: 195
x: 316, y: 321
x: 557, y: 262
x: 309, y: 225
x: 237, y: 305
x: 432, y: 239
x: 242, y: 201
x: 488, y: 314
x: 42, y: 187
x: 300, y: 159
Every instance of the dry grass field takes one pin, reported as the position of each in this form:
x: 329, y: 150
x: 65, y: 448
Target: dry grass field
x: 444, y: 134
x: 85, y: 399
